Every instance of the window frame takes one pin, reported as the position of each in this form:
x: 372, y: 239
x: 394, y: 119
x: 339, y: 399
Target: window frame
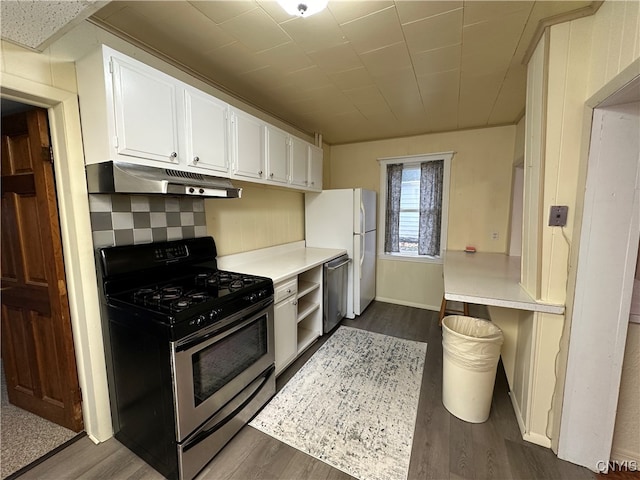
x: 408, y: 160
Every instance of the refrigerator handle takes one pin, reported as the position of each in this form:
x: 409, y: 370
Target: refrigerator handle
x: 362, y: 218
x: 361, y: 254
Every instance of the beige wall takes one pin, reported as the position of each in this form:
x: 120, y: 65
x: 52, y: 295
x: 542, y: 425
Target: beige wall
x: 263, y: 217
x: 479, y: 199
x: 586, y: 56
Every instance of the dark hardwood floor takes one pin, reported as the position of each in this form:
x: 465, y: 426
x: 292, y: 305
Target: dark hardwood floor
x: 444, y: 447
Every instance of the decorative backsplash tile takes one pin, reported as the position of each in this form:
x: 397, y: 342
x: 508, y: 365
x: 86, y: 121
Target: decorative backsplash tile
x: 132, y: 219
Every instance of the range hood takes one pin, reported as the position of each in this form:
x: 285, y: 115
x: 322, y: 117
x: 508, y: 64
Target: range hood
x: 122, y: 177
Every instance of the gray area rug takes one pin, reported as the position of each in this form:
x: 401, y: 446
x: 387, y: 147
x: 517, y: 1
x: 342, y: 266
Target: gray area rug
x: 25, y: 437
x: 353, y: 405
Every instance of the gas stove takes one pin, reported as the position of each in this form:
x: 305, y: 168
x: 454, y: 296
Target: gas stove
x: 187, y: 293
x: 190, y: 350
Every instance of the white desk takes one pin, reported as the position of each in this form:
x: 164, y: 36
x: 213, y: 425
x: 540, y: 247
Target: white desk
x: 489, y: 279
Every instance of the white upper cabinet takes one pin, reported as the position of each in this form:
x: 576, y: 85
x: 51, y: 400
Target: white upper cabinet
x: 299, y: 163
x: 134, y: 113
x: 315, y: 168
x: 248, y: 140
x: 206, y: 132
x: 145, y: 112
x: 277, y: 155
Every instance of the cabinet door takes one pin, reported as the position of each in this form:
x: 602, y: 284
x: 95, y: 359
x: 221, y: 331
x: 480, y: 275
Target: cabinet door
x: 206, y: 131
x: 277, y: 155
x: 145, y: 112
x: 315, y: 168
x: 285, y: 336
x: 248, y: 145
x: 299, y: 162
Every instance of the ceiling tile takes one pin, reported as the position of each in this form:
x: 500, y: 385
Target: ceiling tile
x: 222, y: 10
x: 364, y: 95
x: 374, y: 31
x: 336, y: 59
x: 256, y: 30
x: 274, y: 10
x: 285, y: 58
x: 481, y: 11
x: 387, y: 60
x: 439, y: 60
x: 399, y: 87
x: 436, y: 32
x: 478, y: 94
x: 236, y: 58
x: 346, y: 11
x: 353, y: 78
x: 511, y: 98
x: 439, y: 82
x: 413, y: 11
x: 317, y: 32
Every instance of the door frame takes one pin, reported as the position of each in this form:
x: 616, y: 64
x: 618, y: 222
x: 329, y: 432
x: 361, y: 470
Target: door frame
x: 75, y: 230
x: 593, y: 370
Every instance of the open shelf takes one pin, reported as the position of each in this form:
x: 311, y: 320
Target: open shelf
x: 306, y: 287
x: 306, y: 308
x: 305, y: 338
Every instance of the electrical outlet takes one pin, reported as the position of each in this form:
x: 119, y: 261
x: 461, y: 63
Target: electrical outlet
x: 494, y: 236
x: 558, y: 215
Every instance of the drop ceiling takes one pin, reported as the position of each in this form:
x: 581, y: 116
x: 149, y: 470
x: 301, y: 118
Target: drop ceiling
x: 359, y: 70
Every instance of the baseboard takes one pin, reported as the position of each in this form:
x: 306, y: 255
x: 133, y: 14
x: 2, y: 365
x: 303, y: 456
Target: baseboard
x: 531, y: 437
x: 624, y: 455
x: 538, y: 439
x: 519, y: 418
x: 423, y: 306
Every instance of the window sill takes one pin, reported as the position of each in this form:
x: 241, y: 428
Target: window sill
x: 410, y: 258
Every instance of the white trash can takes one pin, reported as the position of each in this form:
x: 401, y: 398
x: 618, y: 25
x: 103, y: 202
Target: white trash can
x: 470, y: 354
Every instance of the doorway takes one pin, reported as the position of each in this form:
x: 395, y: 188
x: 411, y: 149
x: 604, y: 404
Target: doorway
x: 604, y: 281
x: 40, y: 379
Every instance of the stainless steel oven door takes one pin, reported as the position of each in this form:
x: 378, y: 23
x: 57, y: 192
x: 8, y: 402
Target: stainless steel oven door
x: 214, y: 366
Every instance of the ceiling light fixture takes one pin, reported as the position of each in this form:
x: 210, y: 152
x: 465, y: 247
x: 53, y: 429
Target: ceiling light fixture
x: 303, y: 8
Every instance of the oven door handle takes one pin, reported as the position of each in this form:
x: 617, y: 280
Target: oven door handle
x: 236, y: 405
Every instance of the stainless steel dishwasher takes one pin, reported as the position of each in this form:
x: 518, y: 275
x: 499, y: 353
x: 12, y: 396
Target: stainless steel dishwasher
x: 335, y: 292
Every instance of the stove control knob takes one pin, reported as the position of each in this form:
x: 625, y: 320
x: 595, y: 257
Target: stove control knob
x: 252, y: 297
x: 213, y: 314
x: 200, y: 320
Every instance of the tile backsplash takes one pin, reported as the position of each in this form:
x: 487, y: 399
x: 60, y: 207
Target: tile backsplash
x: 119, y: 219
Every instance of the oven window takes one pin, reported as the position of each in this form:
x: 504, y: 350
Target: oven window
x: 221, y: 362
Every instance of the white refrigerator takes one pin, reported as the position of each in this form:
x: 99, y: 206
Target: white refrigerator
x: 346, y: 218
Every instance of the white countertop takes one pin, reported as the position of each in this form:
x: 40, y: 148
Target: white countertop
x: 489, y: 279
x: 279, y: 262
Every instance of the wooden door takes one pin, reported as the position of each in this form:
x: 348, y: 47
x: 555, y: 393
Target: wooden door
x: 37, y: 344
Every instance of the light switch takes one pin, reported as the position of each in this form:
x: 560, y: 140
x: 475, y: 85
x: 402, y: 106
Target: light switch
x: 558, y: 215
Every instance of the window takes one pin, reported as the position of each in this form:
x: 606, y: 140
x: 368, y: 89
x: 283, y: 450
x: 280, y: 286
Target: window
x: 414, y: 204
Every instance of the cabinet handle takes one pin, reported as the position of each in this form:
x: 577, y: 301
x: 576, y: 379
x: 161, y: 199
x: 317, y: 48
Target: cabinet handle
x: 288, y: 290
x: 173, y: 155
x: 260, y: 172
x: 271, y: 174
x: 295, y: 302
x: 196, y: 159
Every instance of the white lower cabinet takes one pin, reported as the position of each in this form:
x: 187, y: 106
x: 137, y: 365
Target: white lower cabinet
x: 285, y: 315
x: 297, y: 315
